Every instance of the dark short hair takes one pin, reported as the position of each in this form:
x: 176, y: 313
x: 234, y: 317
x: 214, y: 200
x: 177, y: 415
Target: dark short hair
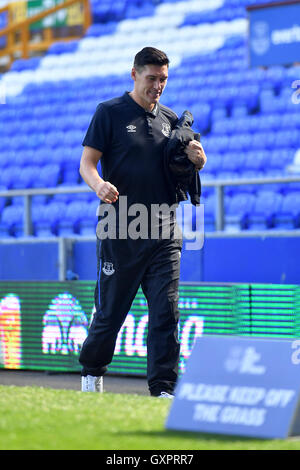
x: 150, y: 56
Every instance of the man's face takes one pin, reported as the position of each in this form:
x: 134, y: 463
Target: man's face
x: 149, y: 84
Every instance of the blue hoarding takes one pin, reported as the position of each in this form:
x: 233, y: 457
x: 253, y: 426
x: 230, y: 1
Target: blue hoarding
x: 274, y: 34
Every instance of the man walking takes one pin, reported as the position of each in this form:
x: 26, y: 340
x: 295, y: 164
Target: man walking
x: 129, y: 134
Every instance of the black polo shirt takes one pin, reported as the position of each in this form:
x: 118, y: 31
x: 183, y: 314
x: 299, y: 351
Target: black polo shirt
x: 133, y: 141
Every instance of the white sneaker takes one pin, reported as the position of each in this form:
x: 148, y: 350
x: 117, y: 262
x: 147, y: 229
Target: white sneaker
x: 166, y: 395
x: 90, y: 383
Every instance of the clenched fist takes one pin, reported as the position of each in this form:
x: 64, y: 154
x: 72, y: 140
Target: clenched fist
x: 107, y: 192
x: 196, y: 154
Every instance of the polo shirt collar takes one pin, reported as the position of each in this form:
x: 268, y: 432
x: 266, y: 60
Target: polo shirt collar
x: 133, y: 103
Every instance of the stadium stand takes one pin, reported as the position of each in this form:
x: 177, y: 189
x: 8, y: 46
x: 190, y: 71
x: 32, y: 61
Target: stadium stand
x: 248, y: 123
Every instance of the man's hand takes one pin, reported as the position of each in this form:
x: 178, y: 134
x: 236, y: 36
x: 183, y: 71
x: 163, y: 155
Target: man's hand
x: 196, y: 154
x: 107, y: 192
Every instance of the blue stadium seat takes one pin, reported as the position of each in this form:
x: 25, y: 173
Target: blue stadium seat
x: 73, y: 137
x: 7, y: 143
x: 266, y: 204
x: 81, y: 122
x: 270, y: 122
x: 228, y: 175
x: 63, y: 47
x: 219, y: 112
x: 202, y: 116
x: 11, y: 223
x: 49, y: 176
x: 88, y: 221
x: 239, y: 142
x: 271, y: 104
x: 25, y: 64
x: 215, y: 143
x: 288, y: 217
x: 207, y: 176
x: 37, y: 217
x: 273, y: 173
x: 275, y: 76
x: 41, y: 156
x: 88, y: 196
x: 68, y: 224
x: 33, y: 140
x: 8, y: 176
x: 214, y: 163
x: 280, y: 158
x: 24, y: 179
x: 287, y: 138
x: 233, y: 161
x: 290, y: 75
x: 196, y: 18
x: 27, y: 177
x: 26, y: 126
x: 63, y: 197
x: 250, y: 174
x: 7, y: 158
x: 55, y: 155
x: 3, y: 200
x: 107, y: 12
x: 256, y: 160
x: 54, y: 139
x: 290, y: 121
x: 209, y: 212
x: 10, y: 128
x: 222, y: 126
x: 70, y: 165
x: 24, y: 158
x: 239, y: 110
x: 237, y: 208
x: 101, y: 29
x: 138, y: 11
x: 8, y: 113
x: 263, y: 140
x: 40, y: 111
x: 248, y: 95
x: 46, y: 224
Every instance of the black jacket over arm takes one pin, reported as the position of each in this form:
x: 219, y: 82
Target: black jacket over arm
x: 181, y: 172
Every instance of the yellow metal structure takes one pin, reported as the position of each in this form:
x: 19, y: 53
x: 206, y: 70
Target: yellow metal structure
x: 21, y: 44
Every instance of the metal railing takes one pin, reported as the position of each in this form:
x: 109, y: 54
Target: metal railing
x: 65, y: 243
x: 27, y: 194
x: 219, y: 185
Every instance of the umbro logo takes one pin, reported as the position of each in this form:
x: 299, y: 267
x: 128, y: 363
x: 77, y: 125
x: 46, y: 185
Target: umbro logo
x: 131, y: 128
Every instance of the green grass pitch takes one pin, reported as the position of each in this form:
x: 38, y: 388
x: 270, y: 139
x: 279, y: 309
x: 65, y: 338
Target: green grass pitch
x: 34, y: 418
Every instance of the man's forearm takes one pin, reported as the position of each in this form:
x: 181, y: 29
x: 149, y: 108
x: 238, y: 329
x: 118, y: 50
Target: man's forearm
x: 91, y: 176
x: 103, y: 189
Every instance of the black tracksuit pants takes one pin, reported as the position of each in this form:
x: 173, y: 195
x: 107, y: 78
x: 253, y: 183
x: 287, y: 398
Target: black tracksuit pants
x: 123, y: 266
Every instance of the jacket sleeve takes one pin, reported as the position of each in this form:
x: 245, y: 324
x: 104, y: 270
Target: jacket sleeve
x: 183, y: 173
